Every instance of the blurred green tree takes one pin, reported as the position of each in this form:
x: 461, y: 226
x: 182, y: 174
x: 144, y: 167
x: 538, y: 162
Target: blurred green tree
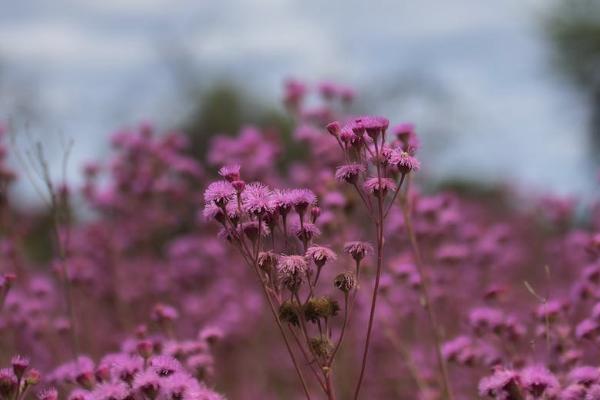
x: 574, y: 29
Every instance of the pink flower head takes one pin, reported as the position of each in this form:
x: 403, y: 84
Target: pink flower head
x: 377, y: 186
x: 405, y: 162
x: 334, y: 128
x: 502, y: 385
x: 8, y: 383
x: 538, y: 381
x: 163, y: 365
x: 587, y: 329
x: 230, y: 172
x: 358, y: 250
x: 146, y: 383
x: 19, y: 365
x: 349, y: 173
x: 48, y: 394
x: 374, y: 126
x: 350, y: 137
x: 111, y: 390
x: 320, y: 255
x: 219, y: 193
x: 164, y: 313
x: 256, y: 199
x: 306, y: 231
x: 282, y: 201
x: 291, y: 271
x: 584, y: 375
x: 301, y: 199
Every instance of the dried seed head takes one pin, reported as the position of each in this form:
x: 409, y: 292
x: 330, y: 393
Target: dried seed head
x: 321, y: 347
x: 320, y: 307
x: 288, y: 312
x: 346, y: 281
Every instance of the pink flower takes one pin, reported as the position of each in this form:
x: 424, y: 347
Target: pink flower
x: 405, y: 162
x: 358, y: 250
x: 349, y: 173
x: 377, y: 186
x: 219, y: 193
x: 230, y: 172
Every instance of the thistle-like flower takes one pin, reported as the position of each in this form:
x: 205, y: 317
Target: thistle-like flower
x: 292, y: 271
x: 349, y: 173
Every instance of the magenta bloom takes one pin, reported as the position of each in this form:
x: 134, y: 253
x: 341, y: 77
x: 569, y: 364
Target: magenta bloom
x: 230, y: 172
x: 405, y: 162
x: 320, y: 255
x: 375, y: 187
x: 349, y: 173
x: 291, y: 271
x: 358, y: 250
x: 538, y: 381
x: 256, y: 199
x: 219, y: 193
x: 502, y: 385
x: 302, y: 198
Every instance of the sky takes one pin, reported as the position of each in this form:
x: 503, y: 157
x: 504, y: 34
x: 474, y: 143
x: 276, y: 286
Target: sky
x: 487, y: 100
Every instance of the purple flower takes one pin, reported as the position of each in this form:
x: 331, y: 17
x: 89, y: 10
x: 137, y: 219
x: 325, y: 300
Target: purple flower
x: 320, y: 255
x: 502, y: 385
x: 8, y: 383
x: 48, y: 394
x: 291, y: 271
x: 147, y: 383
x: 301, y: 199
x: 358, y: 250
x: 377, y: 186
x: 230, y: 172
x: 164, y: 365
x: 584, y: 375
x: 256, y: 199
x: 349, y: 173
x: 110, y: 391
x: 404, y: 162
x: 538, y: 381
x: 219, y: 193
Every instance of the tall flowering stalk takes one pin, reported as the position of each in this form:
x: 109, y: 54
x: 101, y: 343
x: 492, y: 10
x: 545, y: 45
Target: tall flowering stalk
x: 377, y: 171
x: 274, y: 231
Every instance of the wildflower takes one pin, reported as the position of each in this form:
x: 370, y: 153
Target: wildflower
x: 379, y: 186
x: 502, y: 385
x: 32, y: 377
x: 79, y: 394
x: 252, y: 229
x: 358, y: 250
x: 288, y: 312
x: 125, y: 367
x: 230, y: 172
x: 145, y: 348
x: 349, y: 173
x: 19, y: 365
x: 320, y: 307
x: 584, y: 375
x: 587, y: 329
x: 110, y: 391
x: 301, y: 199
x: 282, y: 201
x: 219, y: 193
x: 291, y: 271
x: 593, y: 393
x: 8, y: 383
x: 538, y: 381
x: 146, y: 383
x: 306, y: 232
x: 484, y: 319
x: 374, y: 126
x: 320, y: 255
x: 333, y: 128
x: 404, y: 162
x: 164, y: 313
x: 48, y: 394
x: 573, y: 392
x: 164, y: 365
x: 453, y: 348
x: 211, y: 335
x: 256, y: 199
x: 345, y: 281
x: 266, y: 260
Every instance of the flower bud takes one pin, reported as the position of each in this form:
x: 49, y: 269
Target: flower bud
x: 19, y: 365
